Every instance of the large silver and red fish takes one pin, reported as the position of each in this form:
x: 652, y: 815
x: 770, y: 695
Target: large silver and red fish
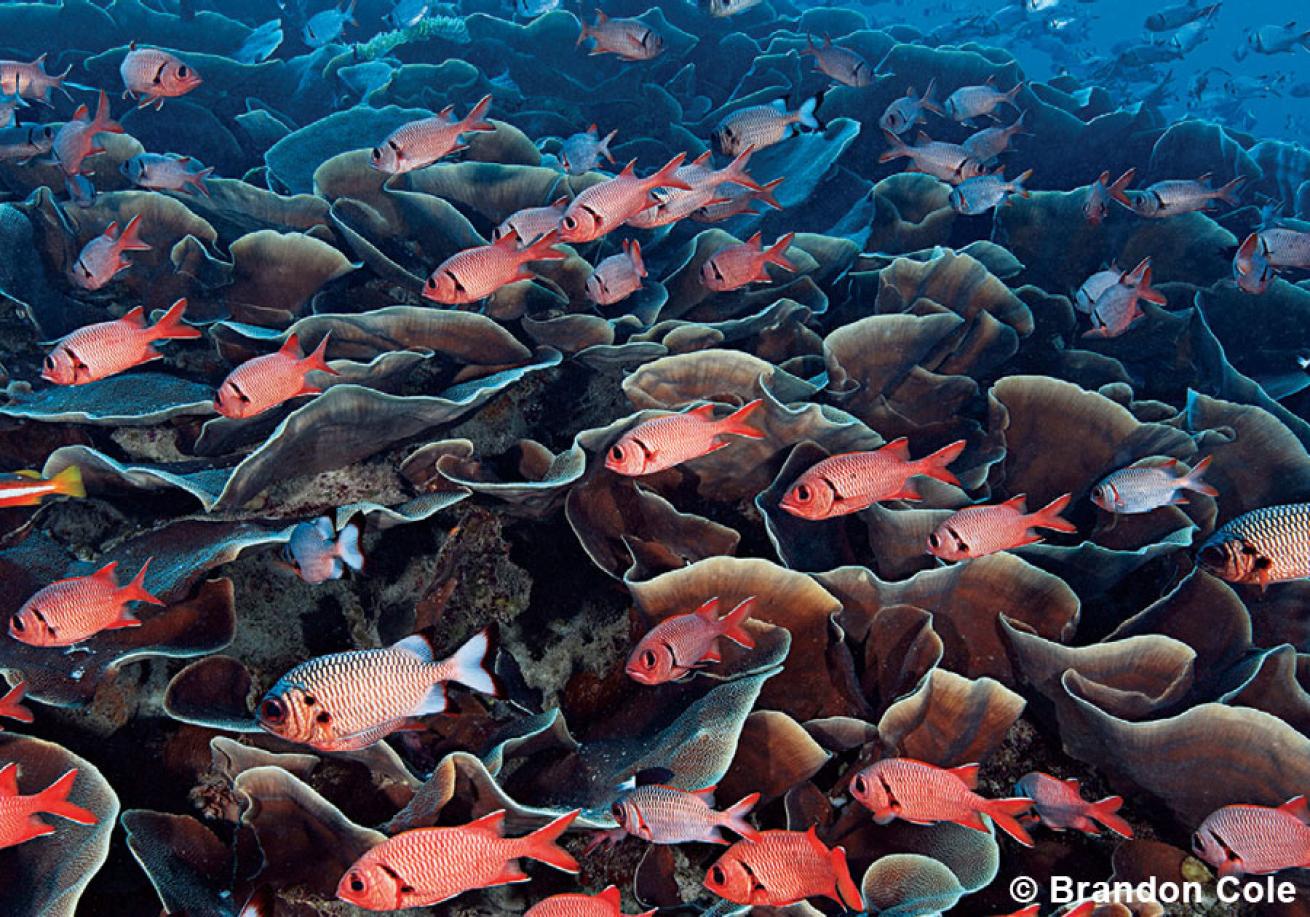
x: 1245, y: 840
x: 101, y: 259
x: 1059, y: 804
x: 150, y: 76
x: 606, y: 206
x: 981, y: 530
x: 608, y: 903
x: 71, y: 610
x: 421, y: 143
x: 747, y: 262
x: 1145, y: 487
x: 105, y: 349
x: 949, y: 162
x: 75, y: 141
x: 28, y: 488
x: 618, y: 276
x: 680, y: 644
x: 262, y: 383
x: 853, y: 481
x: 20, y: 816
x: 30, y: 80
x: 629, y: 39
x: 11, y: 705
x: 354, y: 699
x: 1118, y: 305
x: 781, y: 868
x: 426, y: 866
x: 759, y: 126
x: 1174, y: 196
x: 842, y: 64
x: 924, y: 794
x: 673, y: 204
x: 1267, y: 545
x: 476, y: 273
x: 667, y: 815
x: 665, y: 442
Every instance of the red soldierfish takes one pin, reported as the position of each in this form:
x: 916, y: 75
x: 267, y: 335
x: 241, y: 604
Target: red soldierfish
x: 782, y: 868
x: 75, y: 139
x: 1143, y: 488
x: 1267, y: 545
x: 102, y: 258
x: 949, y: 162
x: 582, y: 152
x: 1244, y: 840
x: 678, y: 645
x: 607, y: 904
x: 842, y: 64
x: 618, y: 276
x: 30, y: 80
x: 758, y: 126
x: 737, y: 265
x: 426, y: 866
x: 28, y: 488
x: 662, y: 443
x: 908, y: 110
x: 924, y: 794
x: 1059, y: 804
x: 1168, y: 198
x: 152, y: 76
x: 1117, y: 306
x: 735, y: 200
x: 606, y: 206
x: 853, y: 481
x: 69, y: 611
x: 665, y: 815
x: 11, y: 705
x: 630, y: 39
x: 531, y: 223
x: 262, y: 383
x: 421, y: 143
x: 105, y: 349
x: 351, y: 700
x: 673, y: 205
x: 19, y: 815
x: 981, y: 530
x: 475, y: 273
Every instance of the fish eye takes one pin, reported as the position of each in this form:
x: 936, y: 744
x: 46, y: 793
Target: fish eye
x: 570, y: 223
x: 718, y: 876
x: 377, y: 154
x: 16, y: 624
x: 432, y: 282
x: 273, y: 711
x: 616, y: 453
x: 324, y: 717
x: 648, y: 659
x: 310, y: 700
x: 617, y: 811
x: 182, y: 71
x: 860, y: 784
x: 356, y: 883
x: 804, y: 493
x: 934, y: 540
x: 1212, y: 556
x: 49, y: 362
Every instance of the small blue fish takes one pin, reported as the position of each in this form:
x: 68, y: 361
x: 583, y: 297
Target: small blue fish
x: 531, y: 9
x: 326, y: 27
x: 406, y: 14
x: 318, y: 553
x: 260, y: 44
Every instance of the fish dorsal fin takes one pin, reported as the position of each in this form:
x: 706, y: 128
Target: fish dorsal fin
x: 756, y: 241
x: 701, y: 159
x: 1248, y: 246
x: 709, y: 610
x: 1297, y: 807
x: 111, y: 231
x: 628, y: 169
x: 509, y: 241
x: 922, y: 137
x: 562, y: 203
x: 492, y: 824
x: 136, y: 317
x: 612, y: 897
x: 291, y: 346
x: 968, y: 774
x: 812, y: 838
x: 416, y: 645
x: 779, y: 105
x: 107, y: 572
x: 1020, y: 503
x: 704, y: 412
x: 1075, y: 786
x: 9, y: 780
x: 594, y: 130
x: 82, y: 113
x: 898, y: 449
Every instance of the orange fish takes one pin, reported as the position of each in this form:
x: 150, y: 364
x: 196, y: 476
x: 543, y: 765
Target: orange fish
x: 981, y: 530
x: 426, y: 866
x: 18, y: 814
x: 924, y: 794
x: 11, y: 705
x: 607, y: 205
x: 28, y: 488
x: 737, y: 265
x: 630, y: 39
x: 475, y: 273
x: 71, y: 610
x: 107, y: 348
x: 155, y: 75
x: 102, y: 258
x: 421, y: 143
x: 667, y: 815
x: 607, y: 904
x: 783, y: 868
x: 31, y: 81
x: 853, y: 481
x: 737, y: 200
x: 679, y: 645
x: 1242, y: 840
x: 263, y: 383
x: 75, y: 141
x: 618, y: 276
x: 1059, y: 804
x: 660, y: 444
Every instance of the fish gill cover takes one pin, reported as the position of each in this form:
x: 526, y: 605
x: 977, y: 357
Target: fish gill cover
x: 746, y: 456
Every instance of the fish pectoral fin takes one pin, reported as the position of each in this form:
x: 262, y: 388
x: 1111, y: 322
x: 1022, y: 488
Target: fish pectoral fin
x: 510, y: 874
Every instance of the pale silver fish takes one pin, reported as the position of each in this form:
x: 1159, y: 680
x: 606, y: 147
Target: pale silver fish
x: 406, y: 13
x: 1117, y: 307
x: 981, y: 193
x: 1093, y: 287
x: 908, y: 110
x: 1174, y: 196
x: 969, y: 102
x: 326, y: 27
x: 318, y: 552
x: 1278, y: 39
x: 1142, y: 488
x: 23, y: 144
x: 531, y: 223
x: 724, y: 8
x: 531, y: 9
x: 759, y: 126
x: 582, y: 152
x: 948, y: 161
x: 990, y: 142
x: 169, y: 172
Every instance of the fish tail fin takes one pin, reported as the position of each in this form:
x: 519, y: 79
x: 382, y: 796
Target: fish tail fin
x: 897, y: 148
x: 1106, y: 812
x: 197, y: 179
x: 734, y: 817
x: 1048, y: 517
x: 11, y: 704
x: 847, y: 891
x: 736, y: 171
x: 543, y: 249
x: 1193, y: 481
x: 318, y: 359
x: 730, y: 625
x: 633, y: 249
x: 736, y: 422
x: 130, y: 239
x: 765, y: 194
x: 1117, y: 188
x: 665, y: 177
x: 807, y: 114
x: 69, y: 482
x: 171, y: 327
x: 604, y: 146
x: 541, y: 844
x: 929, y: 100
x: 54, y: 800
x: 350, y: 546
x: 584, y: 34
x: 1147, y: 292
x: 1018, y: 183
x: 1010, y: 96
x: 474, y: 663
x: 103, y: 123
x: 136, y: 591
x: 934, y: 466
x: 474, y: 120
x: 1228, y: 193
x: 1004, y: 811
x: 777, y: 253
